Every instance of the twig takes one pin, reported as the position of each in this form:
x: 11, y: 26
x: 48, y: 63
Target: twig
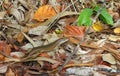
x: 73, y: 5
x: 78, y: 45
x: 74, y: 65
x: 29, y: 39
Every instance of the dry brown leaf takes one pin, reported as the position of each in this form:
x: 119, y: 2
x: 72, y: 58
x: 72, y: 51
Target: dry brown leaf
x: 28, y: 16
x: 3, y: 68
x: 5, y: 48
x: 113, y: 38
x: 17, y: 54
x: 108, y: 58
x: 56, y: 65
x: 74, y: 40
x: 10, y: 73
x: 24, y: 3
x: 74, y: 31
x: 20, y: 36
x: 117, y: 23
x: 44, y: 55
x: 114, y: 52
x: 2, y: 14
x: 38, y: 30
x: 2, y: 57
x: 44, y: 12
x: 17, y: 13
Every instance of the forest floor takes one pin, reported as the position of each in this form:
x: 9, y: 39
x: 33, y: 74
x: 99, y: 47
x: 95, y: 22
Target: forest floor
x: 59, y: 38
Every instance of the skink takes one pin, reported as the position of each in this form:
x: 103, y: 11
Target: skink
x: 46, y: 48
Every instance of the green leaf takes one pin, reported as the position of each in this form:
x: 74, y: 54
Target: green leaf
x: 58, y: 31
x: 105, y: 16
x: 85, y: 17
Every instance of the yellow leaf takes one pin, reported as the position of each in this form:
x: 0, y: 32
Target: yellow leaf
x: 97, y: 26
x: 117, y: 30
x: 44, y: 12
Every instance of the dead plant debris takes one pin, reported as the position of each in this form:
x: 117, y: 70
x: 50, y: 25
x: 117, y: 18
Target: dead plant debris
x: 38, y: 36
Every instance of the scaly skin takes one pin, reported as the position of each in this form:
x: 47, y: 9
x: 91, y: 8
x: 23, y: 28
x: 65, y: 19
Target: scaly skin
x: 45, y: 48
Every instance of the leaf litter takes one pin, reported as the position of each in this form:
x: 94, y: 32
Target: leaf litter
x: 30, y: 44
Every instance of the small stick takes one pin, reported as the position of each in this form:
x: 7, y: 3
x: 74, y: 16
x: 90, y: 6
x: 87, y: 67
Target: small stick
x: 73, y: 5
x: 73, y: 65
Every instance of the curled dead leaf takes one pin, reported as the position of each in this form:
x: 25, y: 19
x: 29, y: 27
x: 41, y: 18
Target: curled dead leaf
x: 18, y: 14
x: 2, y: 57
x: 37, y: 30
x: 74, y: 31
x: 2, y: 14
x: 113, y: 38
x: 44, y: 55
x: 117, y: 30
x: 17, y: 54
x: 108, y: 58
x: 20, y: 36
x: 44, y: 12
x: 97, y: 26
x: 10, y: 73
x: 3, y: 68
x: 4, y: 47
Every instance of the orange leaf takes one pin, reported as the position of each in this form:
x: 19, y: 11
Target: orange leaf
x: 44, y: 55
x: 74, y: 31
x: 56, y: 65
x: 20, y: 36
x: 5, y: 48
x: 10, y: 72
x: 74, y: 40
x: 2, y: 57
x: 44, y: 12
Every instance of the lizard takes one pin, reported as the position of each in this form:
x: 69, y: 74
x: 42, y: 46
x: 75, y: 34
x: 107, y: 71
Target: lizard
x: 45, y: 48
